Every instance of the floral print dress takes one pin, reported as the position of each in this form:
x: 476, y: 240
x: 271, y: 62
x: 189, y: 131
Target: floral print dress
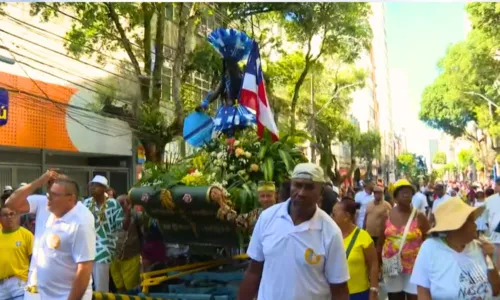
x: 393, y: 236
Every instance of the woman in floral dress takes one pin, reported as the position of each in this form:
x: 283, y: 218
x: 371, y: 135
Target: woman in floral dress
x: 399, y: 286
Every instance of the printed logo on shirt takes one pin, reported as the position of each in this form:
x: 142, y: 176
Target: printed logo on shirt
x: 18, y: 244
x: 311, y: 258
x: 53, y: 241
x: 474, y: 283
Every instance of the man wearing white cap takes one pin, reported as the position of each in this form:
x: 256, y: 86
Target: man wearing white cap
x: 296, y: 249
x: 7, y: 189
x: 108, y: 215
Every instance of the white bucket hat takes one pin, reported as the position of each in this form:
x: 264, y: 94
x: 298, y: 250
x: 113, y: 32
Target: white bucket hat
x: 101, y: 180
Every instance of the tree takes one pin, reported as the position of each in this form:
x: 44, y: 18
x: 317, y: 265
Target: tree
x: 465, y: 159
x: 452, y: 103
x: 367, y: 148
x: 343, y: 29
x: 439, y: 158
x: 139, y: 30
x: 485, y: 17
x: 327, y: 117
x: 410, y: 166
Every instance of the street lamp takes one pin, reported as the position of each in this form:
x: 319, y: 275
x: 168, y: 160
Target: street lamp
x: 490, y: 102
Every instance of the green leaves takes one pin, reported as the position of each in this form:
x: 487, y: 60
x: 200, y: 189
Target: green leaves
x: 439, y: 158
x: 468, y: 66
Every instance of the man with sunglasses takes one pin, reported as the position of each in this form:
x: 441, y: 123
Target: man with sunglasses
x: 23, y: 201
x: 16, y: 245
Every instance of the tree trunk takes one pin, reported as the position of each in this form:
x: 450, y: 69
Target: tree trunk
x: 295, y: 97
x: 185, y: 29
x: 159, y: 54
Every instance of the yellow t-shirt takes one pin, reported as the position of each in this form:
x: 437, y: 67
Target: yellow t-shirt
x: 15, y: 248
x: 358, y: 270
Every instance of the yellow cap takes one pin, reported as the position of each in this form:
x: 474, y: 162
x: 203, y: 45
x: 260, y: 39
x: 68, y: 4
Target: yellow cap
x: 266, y: 186
x: 401, y: 183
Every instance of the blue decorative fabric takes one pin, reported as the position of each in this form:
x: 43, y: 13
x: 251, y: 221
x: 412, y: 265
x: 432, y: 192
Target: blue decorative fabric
x: 233, y: 116
x: 231, y: 43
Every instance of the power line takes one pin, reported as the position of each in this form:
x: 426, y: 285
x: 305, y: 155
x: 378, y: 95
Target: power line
x: 191, y: 86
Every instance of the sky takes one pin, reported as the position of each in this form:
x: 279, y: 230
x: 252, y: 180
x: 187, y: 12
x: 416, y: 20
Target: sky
x: 418, y: 35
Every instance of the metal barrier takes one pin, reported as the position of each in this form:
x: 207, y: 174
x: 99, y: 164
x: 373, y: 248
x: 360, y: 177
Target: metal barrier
x: 110, y: 296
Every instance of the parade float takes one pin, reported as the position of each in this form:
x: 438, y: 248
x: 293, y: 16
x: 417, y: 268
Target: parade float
x: 209, y: 200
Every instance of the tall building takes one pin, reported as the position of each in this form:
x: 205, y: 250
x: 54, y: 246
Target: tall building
x: 372, y: 105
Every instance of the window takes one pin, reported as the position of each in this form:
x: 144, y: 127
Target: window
x: 118, y: 180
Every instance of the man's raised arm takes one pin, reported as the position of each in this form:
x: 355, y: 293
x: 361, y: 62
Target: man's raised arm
x: 18, y: 200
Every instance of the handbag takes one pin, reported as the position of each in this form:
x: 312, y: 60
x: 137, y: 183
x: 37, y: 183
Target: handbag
x: 351, y: 243
x: 392, y: 267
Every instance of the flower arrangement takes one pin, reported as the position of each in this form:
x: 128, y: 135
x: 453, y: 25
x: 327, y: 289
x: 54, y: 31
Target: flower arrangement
x: 237, y: 169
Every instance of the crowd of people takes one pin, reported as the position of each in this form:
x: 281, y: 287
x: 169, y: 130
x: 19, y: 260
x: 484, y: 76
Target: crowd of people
x: 55, y: 246
x: 310, y: 240
x: 437, y: 241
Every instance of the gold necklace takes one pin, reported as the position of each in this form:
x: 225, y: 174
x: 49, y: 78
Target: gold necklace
x: 101, y: 215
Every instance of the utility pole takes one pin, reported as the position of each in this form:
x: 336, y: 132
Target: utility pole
x: 313, y: 123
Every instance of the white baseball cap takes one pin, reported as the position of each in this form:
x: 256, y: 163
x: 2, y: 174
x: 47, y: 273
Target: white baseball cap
x: 7, y: 188
x: 101, y: 180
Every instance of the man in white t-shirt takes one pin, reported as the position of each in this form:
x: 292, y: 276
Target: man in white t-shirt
x: 296, y: 250
x: 67, y: 248
x: 363, y: 198
x: 439, y: 191
x: 24, y: 201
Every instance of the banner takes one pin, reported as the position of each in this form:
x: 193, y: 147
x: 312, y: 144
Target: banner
x: 4, y: 107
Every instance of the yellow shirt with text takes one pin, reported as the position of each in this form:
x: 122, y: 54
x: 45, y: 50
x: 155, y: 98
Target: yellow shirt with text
x: 15, y: 248
x: 358, y: 270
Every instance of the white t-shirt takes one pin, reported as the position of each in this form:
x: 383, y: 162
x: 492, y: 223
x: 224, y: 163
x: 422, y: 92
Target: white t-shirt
x: 300, y: 261
x: 66, y: 242
x: 451, y: 275
x: 439, y: 201
x: 493, y: 216
x: 38, y: 206
x: 362, y: 198
x: 419, y: 201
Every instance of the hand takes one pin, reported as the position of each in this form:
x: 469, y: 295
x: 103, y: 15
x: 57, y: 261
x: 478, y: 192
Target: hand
x: 487, y: 247
x: 48, y: 176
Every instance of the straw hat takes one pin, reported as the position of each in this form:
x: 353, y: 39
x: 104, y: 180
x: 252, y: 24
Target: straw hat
x: 452, y: 214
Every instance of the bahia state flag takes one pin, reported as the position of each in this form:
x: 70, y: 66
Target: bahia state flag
x: 253, y: 95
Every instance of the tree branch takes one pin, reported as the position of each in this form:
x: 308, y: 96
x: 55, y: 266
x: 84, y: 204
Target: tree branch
x: 123, y: 37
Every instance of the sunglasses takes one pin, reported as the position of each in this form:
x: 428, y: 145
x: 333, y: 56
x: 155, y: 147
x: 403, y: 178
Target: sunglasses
x: 9, y: 215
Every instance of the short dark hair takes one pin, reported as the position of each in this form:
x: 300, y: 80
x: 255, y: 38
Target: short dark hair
x: 489, y: 191
x: 69, y: 183
x: 349, y: 206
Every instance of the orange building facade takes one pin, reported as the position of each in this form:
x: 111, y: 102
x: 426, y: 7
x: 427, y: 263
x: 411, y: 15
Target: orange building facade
x: 45, y: 126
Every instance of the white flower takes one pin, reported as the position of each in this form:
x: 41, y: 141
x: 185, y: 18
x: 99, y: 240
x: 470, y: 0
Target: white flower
x: 232, y: 168
x: 248, y: 154
x: 220, y: 155
x: 224, y: 183
x: 236, y: 142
